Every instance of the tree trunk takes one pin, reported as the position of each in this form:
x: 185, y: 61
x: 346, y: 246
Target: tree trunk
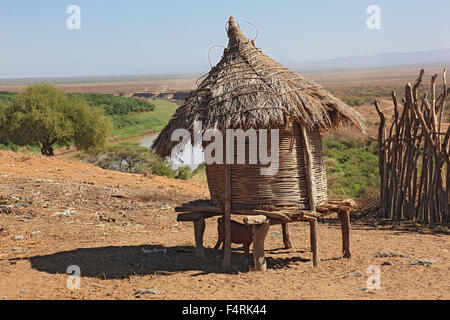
x: 47, y: 148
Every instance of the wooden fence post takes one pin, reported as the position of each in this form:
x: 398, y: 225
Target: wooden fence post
x: 412, y: 189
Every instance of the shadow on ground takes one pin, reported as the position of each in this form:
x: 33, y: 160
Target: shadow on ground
x: 361, y: 222
x: 119, y: 262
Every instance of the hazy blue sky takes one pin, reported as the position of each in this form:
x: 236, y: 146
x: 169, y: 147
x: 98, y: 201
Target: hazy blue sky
x: 147, y: 36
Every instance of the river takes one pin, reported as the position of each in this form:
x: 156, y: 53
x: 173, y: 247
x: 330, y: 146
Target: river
x: 191, y: 156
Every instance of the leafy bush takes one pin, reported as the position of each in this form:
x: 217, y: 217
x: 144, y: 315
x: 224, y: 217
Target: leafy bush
x: 5, y: 145
x: 184, y: 173
x: 163, y: 168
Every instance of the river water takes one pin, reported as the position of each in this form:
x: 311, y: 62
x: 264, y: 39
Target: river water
x: 191, y: 156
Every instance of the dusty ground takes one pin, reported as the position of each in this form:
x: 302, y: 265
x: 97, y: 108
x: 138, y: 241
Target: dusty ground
x: 117, y: 215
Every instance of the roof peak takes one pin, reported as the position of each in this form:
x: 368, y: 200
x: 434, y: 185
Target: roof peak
x: 235, y: 35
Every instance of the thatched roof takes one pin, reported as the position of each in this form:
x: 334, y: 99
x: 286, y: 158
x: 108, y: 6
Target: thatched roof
x: 247, y: 89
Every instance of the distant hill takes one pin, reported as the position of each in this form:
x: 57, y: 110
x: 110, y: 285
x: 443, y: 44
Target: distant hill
x: 383, y: 60
x: 190, y: 73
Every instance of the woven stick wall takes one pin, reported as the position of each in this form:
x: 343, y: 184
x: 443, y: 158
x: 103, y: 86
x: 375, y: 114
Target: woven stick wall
x: 286, y: 189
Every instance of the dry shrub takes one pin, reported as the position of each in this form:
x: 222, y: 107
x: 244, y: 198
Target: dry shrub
x: 24, y: 158
x: 369, y: 203
x: 146, y: 196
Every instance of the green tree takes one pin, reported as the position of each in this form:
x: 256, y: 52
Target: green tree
x: 91, y: 125
x: 43, y: 115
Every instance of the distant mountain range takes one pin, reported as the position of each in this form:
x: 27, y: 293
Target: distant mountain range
x: 383, y: 60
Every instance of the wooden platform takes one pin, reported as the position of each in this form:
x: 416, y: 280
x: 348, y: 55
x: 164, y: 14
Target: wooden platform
x: 199, y: 210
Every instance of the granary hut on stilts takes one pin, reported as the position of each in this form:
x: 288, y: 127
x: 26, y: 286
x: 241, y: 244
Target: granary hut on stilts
x: 248, y: 90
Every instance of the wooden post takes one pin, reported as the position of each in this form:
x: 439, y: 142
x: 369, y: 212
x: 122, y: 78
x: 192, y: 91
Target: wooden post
x: 286, y: 238
x: 311, y: 195
x: 227, y: 219
x: 259, y: 235
x: 308, y: 171
x: 314, y: 245
x: 199, y: 229
x: 382, y: 166
x: 344, y: 217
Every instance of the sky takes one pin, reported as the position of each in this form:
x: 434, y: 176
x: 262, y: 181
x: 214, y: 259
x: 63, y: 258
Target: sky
x: 160, y: 37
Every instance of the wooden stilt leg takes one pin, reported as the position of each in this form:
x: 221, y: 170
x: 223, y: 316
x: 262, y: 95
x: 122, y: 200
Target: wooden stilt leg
x: 227, y: 219
x: 286, y: 238
x: 344, y: 217
x: 259, y: 235
x: 199, y: 229
x: 314, y: 245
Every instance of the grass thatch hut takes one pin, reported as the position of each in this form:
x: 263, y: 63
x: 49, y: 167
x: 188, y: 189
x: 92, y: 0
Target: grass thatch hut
x: 247, y: 89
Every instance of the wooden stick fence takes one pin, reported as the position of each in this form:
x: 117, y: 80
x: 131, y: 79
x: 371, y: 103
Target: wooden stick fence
x: 414, y: 157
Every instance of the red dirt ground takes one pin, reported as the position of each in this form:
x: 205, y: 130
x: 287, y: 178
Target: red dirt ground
x: 118, y: 214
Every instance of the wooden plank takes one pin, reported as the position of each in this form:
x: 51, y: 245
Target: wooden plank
x: 281, y: 215
x: 190, y: 208
x: 346, y: 203
x: 194, y: 216
x: 333, y: 207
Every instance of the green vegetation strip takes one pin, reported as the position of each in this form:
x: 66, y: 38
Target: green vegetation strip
x: 352, y: 166
x: 139, y: 123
